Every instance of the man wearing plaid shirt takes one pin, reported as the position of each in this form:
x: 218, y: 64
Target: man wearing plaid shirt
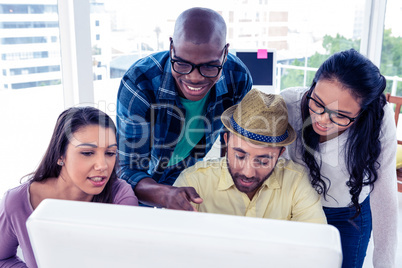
x: 169, y: 106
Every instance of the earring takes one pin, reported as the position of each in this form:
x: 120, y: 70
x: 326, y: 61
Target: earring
x: 61, y: 163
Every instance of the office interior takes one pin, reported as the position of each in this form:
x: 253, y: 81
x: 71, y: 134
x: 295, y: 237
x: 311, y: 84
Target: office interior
x: 65, y: 53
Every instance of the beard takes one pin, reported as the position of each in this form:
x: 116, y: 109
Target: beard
x: 253, y: 183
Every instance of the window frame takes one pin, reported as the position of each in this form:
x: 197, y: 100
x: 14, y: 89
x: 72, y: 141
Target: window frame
x: 76, y: 52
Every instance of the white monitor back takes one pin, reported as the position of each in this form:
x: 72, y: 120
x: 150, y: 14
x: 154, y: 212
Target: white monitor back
x: 262, y: 66
x: 82, y: 234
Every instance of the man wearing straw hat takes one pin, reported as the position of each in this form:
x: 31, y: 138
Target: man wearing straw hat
x: 252, y: 180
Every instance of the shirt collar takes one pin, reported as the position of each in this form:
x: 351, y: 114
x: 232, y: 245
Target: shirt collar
x: 225, y: 180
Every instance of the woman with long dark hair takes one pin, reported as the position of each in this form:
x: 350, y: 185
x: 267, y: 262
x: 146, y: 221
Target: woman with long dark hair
x: 79, y: 164
x: 347, y: 140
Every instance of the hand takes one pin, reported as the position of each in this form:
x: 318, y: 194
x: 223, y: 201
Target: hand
x: 154, y: 194
x: 180, y: 198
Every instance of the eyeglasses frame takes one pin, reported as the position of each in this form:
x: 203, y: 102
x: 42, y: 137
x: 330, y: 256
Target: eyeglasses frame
x: 198, y: 66
x: 329, y: 112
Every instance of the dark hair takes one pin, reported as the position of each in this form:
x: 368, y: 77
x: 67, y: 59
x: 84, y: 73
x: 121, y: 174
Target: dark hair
x: 363, y: 79
x: 69, y: 122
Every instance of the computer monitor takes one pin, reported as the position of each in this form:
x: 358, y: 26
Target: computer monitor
x: 82, y: 234
x: 262, y: 66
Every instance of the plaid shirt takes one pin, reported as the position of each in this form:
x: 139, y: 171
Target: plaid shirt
x: 150, y: 117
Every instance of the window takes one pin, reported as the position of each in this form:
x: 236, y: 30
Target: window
x: 23, y: 40
x: 34, y: 70
x: 391, y: 56
x: 14, y: 9
x: 27, y: 8
x: 30, y: 88
x: 300, y: 34
x: 30, y: 24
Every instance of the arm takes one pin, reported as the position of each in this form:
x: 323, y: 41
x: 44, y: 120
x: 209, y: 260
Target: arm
x: 154, y: 194
x: 8, y: 241
x: 184, y: 183
x: 134, y: 133
x: 384, y: 199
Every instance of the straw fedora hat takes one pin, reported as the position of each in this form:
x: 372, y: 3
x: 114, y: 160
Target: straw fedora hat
x: 261, y: 119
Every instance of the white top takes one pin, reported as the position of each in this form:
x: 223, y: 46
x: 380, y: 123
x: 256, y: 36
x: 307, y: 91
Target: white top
x: 383, y: 198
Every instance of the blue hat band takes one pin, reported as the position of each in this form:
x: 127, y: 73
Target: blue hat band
x: 258, y: 137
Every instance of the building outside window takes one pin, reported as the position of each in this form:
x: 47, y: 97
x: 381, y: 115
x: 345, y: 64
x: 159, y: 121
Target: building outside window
x: 31, y: 95
x: 28, y: 33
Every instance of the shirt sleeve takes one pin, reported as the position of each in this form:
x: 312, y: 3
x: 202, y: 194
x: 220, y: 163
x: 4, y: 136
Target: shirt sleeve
x: 133, y: 131
x: 8, y: 240
x: 124, y: 194
x: 183, y: 181
x: 384, y: 199
x: 180, y: 181
x: 307, y: 205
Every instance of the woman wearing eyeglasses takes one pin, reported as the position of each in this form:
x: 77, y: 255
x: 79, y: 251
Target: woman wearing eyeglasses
x: 347, y: 140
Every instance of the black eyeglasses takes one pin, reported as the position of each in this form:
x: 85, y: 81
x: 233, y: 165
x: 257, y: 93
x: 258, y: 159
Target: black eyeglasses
x: 206, y: 70
x: 335, y: 117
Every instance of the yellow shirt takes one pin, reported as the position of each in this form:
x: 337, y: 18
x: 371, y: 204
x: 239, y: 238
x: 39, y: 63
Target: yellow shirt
x: 286, y: 195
